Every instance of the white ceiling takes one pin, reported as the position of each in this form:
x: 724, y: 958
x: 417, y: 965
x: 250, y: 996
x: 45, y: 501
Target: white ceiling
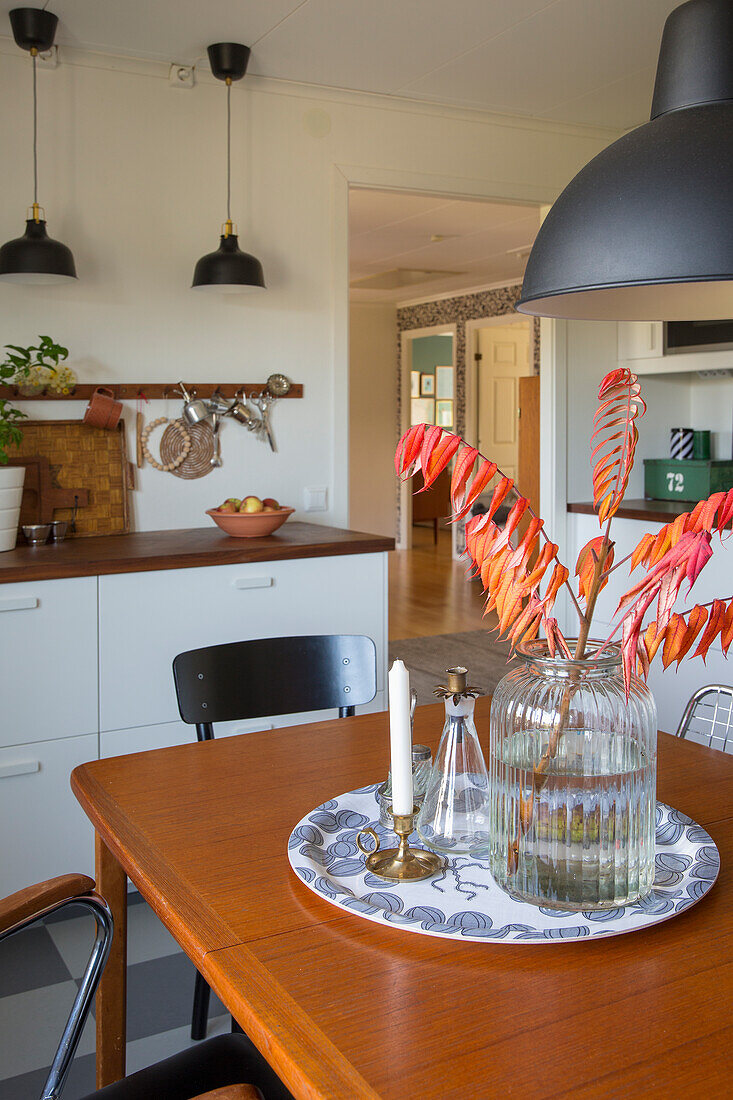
x: 391, y: 231
x: 585, y: 61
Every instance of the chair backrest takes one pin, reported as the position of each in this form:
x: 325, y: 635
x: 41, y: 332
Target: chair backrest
x: 23, y: 909
x: 227, y: 683
x: 708, y: 717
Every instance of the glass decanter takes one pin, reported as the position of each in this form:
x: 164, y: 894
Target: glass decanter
x: 454, y: 817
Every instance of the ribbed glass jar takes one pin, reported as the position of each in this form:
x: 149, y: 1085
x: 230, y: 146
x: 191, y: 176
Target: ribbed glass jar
x: 572, y: 773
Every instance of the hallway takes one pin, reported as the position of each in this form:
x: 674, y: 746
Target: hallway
x: 429, y: 593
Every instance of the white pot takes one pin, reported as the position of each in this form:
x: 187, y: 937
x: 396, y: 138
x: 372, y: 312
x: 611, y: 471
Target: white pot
x: 11, y: 494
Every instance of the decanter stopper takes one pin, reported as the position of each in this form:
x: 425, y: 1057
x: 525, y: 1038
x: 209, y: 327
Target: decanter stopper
x: 454, y: 817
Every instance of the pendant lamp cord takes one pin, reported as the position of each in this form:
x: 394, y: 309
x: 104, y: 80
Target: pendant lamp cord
x: 229, y: 151
x: 35, y: 136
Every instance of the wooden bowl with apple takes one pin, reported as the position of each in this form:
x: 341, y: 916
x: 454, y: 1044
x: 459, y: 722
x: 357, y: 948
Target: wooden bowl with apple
x: 249, y: 518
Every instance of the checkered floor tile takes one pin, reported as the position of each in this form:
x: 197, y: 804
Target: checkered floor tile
x: 39, y: 973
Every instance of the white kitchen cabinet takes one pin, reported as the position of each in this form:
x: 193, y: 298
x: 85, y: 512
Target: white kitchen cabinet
x: 168, y: 734
x: 45, y: 832
x: 640, y: 339
x: 48, y: 662
x: 147, y: 618
x: 86, y: 670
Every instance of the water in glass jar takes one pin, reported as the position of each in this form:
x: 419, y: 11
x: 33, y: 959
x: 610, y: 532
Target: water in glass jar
x: 581, y: 835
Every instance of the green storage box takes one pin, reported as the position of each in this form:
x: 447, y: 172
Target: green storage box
x: 689, y: 479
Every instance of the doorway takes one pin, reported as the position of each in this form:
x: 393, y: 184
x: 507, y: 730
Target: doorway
x: 503, y: 397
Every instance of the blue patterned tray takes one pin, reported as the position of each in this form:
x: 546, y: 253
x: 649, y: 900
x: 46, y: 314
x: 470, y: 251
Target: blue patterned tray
x: 464, y: 901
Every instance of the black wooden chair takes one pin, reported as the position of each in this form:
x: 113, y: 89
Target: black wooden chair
x: 220, y: 1064
x: 270, y: 676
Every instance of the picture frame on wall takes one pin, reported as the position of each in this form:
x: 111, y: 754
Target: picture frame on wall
x: 415, y: 383
x: 423, y: 410
x: 444, y: 383
x: 444, y: 413
x: 427, y: 385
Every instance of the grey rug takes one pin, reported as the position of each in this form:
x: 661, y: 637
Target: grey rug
x: 428, y: 658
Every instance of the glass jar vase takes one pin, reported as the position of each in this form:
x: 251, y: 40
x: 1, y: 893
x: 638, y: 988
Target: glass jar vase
x: 572, y: 774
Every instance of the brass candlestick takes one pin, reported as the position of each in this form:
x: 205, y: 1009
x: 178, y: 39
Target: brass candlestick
x: 403, y: 863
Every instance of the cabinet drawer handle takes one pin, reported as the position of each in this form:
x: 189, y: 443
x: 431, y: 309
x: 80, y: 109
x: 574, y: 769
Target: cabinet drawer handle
x: 23, y: 767
x: 20, y: 603
x: 253, y: 582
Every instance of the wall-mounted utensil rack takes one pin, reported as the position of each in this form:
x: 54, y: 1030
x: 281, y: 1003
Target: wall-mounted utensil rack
x: 154, y: 391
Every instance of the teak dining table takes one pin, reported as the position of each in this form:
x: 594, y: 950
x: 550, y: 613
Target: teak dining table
x: 346, y: 1009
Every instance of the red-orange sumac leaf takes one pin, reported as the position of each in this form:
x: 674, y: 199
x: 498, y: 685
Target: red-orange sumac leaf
x: 712, y: 628
x: 430, y: 440
x: 673, y: 638
x: 438, y: 459
x: 641, y: 551
x: 559, y: 575
x: 461, y: 473
x: 480, y: 480
x: 586, y: 565
x: 621, y: 404
x: 653, y: 638
x: 726, y: 630
x: 725, y: 513
x: 408, y: 448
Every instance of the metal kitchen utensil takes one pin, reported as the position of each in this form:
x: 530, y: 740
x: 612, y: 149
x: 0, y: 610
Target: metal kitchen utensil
x: 220, y: 404
x: 216, y: 424
x: 262, y: 402
x: 279, y: 385
x: 194, y: 409
x: 240, y: 412
x: 59, y: 528
x: 36, y: 533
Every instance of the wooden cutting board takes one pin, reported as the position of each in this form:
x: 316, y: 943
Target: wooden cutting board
x: 67, y: 459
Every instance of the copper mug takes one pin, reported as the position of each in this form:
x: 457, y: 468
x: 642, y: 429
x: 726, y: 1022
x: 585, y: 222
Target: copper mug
x: 103, y: 411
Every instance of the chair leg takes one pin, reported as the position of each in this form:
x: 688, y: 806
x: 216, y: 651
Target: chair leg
x: 200, y: 1014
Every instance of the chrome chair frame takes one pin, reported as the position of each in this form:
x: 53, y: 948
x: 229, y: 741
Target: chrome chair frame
x: 66, y: 1049
x: 726, y: 722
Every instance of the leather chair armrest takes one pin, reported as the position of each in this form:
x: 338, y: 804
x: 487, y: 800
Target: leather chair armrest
x: 34, y: 900
x: 232, y: 1092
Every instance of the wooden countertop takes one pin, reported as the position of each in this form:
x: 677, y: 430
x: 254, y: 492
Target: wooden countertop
x: 183, y: 549
x: 654, y: 511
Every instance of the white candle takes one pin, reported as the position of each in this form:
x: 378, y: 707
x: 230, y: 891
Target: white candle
x: 400, y: 736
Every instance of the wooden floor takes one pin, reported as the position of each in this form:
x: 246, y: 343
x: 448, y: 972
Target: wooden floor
x: 429, y: 593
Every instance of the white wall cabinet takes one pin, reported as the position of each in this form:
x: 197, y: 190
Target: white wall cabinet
x: 640, y: 339
x: 86, y: 671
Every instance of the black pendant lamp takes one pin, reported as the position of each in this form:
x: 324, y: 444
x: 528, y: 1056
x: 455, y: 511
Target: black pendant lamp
x: 228, y: 270
x: 645, y: 230
x: 35, y: 257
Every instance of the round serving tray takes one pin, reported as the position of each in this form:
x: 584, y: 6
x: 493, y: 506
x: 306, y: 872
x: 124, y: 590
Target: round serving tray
x: 464, y: 901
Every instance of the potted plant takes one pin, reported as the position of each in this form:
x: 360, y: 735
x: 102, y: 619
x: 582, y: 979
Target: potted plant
x: 573, y: 728
x: 36, y: 368
x: 11, y: 477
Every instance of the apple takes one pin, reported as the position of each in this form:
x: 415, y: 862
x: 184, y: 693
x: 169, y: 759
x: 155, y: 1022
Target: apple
x: 233, y: 500
x: 271, y: 505
x: 251, y: 504
x: 228, y: 506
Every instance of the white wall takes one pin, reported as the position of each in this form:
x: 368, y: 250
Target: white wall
x: 132, y: 176
x: 372, y: 417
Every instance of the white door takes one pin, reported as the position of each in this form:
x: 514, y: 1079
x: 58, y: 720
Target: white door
x: 505, y: 358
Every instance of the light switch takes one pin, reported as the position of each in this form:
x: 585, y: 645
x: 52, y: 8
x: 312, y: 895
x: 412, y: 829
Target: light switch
x: 315, y: 498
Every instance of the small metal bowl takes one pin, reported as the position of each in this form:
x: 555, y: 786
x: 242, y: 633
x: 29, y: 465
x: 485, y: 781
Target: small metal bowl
x: 36, y: 533
x: 59, y: 528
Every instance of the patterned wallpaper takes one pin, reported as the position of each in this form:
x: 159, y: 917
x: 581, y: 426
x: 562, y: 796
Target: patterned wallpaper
x: 457, y: 311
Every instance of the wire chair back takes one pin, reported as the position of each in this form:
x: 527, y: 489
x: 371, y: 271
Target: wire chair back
x: 708, y: 718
